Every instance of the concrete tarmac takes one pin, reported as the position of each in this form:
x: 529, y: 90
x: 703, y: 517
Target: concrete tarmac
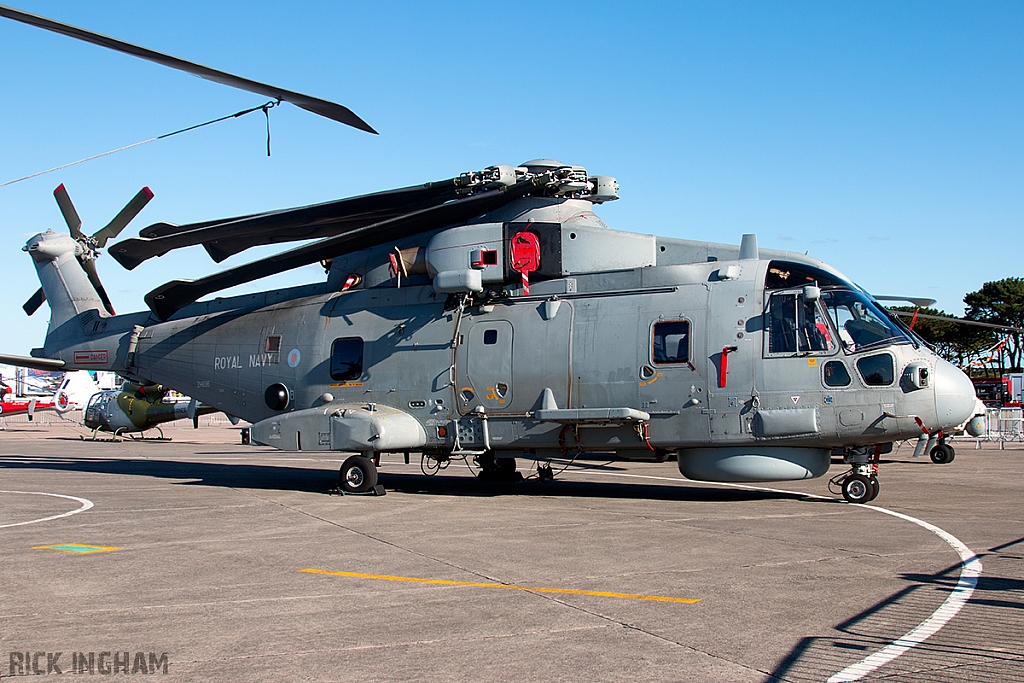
x: 213, y: 561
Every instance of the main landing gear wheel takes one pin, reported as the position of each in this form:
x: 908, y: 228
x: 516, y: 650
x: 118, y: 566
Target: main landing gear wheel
x: 358, y: 475
x: 858, y: 488
x: 943, y: 454
x: 497, y: 469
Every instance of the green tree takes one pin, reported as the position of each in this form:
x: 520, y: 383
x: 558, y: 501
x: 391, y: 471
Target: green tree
x: 1001, y: 303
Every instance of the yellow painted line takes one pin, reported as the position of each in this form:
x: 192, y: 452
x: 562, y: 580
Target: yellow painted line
x: 507, y: 586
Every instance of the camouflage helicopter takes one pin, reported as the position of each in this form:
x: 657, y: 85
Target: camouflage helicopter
x: 494, y: 314
x: 138, y: 408
x: 132, y: 409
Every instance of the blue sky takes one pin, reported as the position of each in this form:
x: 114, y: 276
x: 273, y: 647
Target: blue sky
x: 883, y: 138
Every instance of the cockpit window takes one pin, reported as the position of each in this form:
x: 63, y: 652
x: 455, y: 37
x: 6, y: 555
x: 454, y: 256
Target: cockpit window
x: 835, y: 374
x: 784, y: 275
x: 859, y: 320
x: 797, y: 325
x: 861, y: 324
x: 99, y: 400
x: 97, y: 404
x: 877, y: 371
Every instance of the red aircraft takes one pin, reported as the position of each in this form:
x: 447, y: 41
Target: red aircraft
x: 9, y: 405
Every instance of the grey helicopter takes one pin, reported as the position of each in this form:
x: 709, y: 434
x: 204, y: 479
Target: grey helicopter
x: 494, y: 315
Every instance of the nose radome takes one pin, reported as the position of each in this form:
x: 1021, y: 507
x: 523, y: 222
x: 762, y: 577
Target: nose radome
x: 954, y: 395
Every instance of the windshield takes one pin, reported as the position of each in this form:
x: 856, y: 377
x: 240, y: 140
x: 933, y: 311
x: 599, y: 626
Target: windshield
x: 859, y: 320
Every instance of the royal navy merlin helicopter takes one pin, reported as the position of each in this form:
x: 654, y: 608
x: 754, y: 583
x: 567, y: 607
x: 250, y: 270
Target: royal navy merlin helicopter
x: 494, y: 314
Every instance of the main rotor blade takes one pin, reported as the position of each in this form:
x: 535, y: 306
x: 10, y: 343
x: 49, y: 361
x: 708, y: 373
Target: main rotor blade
x: 325, y: 108
x: 89, y: 266
x: 68, y: 209
x: 163, y: 229
x: 34, y: 302
x: 231, y: 236
x: 919, y: 301
x: 172, y: 296
x: 123, y: 218
x: 951, y: 319
x: 46, y: 364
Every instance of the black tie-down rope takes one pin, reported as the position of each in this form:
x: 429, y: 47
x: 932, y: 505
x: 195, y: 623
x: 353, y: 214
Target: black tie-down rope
x: 265, y: 108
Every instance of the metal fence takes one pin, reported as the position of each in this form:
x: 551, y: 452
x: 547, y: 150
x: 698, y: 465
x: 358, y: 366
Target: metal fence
x: 1002, y: 425
x: 43, y: 418
x: 73, y: 418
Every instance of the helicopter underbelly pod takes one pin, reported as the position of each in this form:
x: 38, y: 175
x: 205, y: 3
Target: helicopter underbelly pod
x: 362, y: 428
x: 753, y: 463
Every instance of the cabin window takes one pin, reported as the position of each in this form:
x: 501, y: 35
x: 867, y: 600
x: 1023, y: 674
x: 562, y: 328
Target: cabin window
x: 273, y: 344
x: 490, y: 337
x: 796, y: 325
x: 347, y: 359
x: 836, y: 374
x: 671, y: 342
x: 877, y: 371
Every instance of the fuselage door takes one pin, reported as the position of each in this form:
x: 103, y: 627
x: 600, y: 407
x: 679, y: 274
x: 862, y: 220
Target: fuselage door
x: 483, y: 371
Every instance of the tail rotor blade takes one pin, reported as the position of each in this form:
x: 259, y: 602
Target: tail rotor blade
x: 68, y: 209
x: 36, y: 300
x: 130, y: 211
x: 89, y: 266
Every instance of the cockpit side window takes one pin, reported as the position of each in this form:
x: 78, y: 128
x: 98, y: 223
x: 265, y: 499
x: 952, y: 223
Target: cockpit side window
x: 877, y: 370
x: 796, y: 325
x: 835, y: 374
x: 782, y: 324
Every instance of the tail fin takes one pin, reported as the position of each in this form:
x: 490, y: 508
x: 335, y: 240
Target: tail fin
x: 67, y: 269
x: 75, y: 391
x: 65, y: 285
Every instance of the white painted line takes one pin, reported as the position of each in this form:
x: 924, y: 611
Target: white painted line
x: 970, y: 570
x: 86, y: 504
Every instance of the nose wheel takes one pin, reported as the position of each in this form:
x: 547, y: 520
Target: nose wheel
x: 942, y: 454
x: 858, y: 488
